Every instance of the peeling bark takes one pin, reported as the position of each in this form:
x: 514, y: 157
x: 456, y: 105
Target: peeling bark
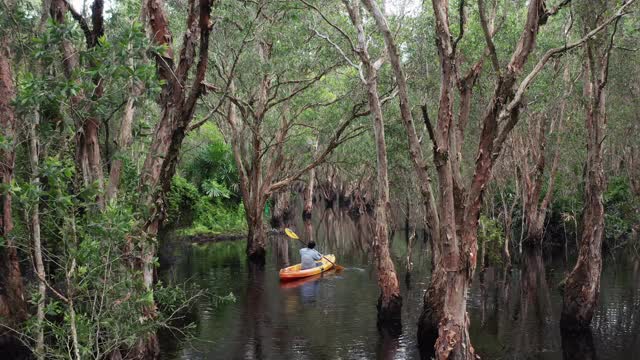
x: 582, y: 286
x: 390, y: 301
x: 34, y: 222
x: 178, y: 104
x: 10, y: 275
x: 535, y: 211
x: 88, y: 158
x: 415, y: 149
x: 308, y: 193
x: 122, y: 144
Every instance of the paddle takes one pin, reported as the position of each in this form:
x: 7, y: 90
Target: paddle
x: 293, y: 235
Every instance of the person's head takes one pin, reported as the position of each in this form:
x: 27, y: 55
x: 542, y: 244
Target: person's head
x: 311, y: 244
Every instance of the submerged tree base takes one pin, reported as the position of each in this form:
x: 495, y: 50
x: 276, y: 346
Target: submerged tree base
x: 257, y: 256
x: 578, y: 345
x: 390, y: 315
x: 427, y: 333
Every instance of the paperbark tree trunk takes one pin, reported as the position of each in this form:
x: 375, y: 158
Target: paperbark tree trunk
x: 12, y: 298
x: 535, y: 211
x: 507, y: 211
x: 260, y: 164
x: 308, y: 194
x: 256, y: 238
x: 582, y: 286
x: 122, y: 144
x: 34, y: 220
x: 88, y: 158
x: 281, y: 212
x: 390, y: 301
x: 178, y: 106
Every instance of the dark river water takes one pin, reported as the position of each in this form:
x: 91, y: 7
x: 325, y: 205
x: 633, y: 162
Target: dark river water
x: 334, y: 316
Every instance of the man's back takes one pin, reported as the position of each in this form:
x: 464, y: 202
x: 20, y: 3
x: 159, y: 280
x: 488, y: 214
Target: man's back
x: 308, y: 258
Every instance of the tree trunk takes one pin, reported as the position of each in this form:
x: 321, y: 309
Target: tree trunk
x: 10, y: 274
x: 535, y: 211
x: 88, y: 158
x: 582, y: 286
x: 256, y: 250
x: 280, y: 213
x: 506, y: 254
x: 308, y: 195
x: 37, y: 244
x: 390, y: 301
x: 178, y: 106
x: 444, y: 315
x: 415, y: 149
x: 534, y: 231
x: 123, y: 143
x: 90, y: 144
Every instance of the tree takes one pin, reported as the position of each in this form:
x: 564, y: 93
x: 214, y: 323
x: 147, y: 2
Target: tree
x: 12, y: 301
x: 88, y: 127
x: 582, y: 286
x: 390, y: 301
x: 268, y: 96
x: 178, y: 106
x: 533, y: 162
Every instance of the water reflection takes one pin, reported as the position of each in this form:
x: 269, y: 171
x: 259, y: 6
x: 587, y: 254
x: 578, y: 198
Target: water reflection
x: 513, y: 314
x: 280, y: 244
x: 255, y: 318
x: 578, y: 346
x: 534, y: 311
x: 389, y: 342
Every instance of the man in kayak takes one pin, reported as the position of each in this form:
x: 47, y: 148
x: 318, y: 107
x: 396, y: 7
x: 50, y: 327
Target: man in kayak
x: 309, y: 256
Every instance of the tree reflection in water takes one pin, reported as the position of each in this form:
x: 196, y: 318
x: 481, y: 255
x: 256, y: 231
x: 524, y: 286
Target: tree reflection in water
x: 514, y: 315
x: 578, y: 346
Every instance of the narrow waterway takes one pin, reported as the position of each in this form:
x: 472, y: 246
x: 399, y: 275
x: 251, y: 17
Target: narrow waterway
x: 513, y: 316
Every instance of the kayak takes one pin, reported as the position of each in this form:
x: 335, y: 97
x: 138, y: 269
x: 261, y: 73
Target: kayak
x: 295, y: 272
x: 294, y: 283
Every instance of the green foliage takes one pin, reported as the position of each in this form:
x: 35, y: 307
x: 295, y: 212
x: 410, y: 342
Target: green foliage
x: 181, y: 200
x: 207, y: 199
x: 206, y: 213
x: 491, y: 237
x: 215, y: 190
x: 217, y: 219
x: 212, y: 167
x: 620, y: 214
x: 84, y: 252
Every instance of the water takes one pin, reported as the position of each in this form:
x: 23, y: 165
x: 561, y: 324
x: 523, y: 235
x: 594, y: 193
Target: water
x: 334, y: 316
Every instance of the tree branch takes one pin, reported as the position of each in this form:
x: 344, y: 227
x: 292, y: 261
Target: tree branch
x: 462, y: 20
x: 342, y: 32
x: 427, y: 122
x: 515, y: 102
x: 344, y: 56
x: 82, y: 22
x: 488, y: 37
x: 334, y: 141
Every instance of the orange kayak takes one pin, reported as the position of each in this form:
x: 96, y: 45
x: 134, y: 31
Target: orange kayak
x: 295, y: 272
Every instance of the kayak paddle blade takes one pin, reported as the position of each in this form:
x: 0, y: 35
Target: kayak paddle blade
x: 291, y: 234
